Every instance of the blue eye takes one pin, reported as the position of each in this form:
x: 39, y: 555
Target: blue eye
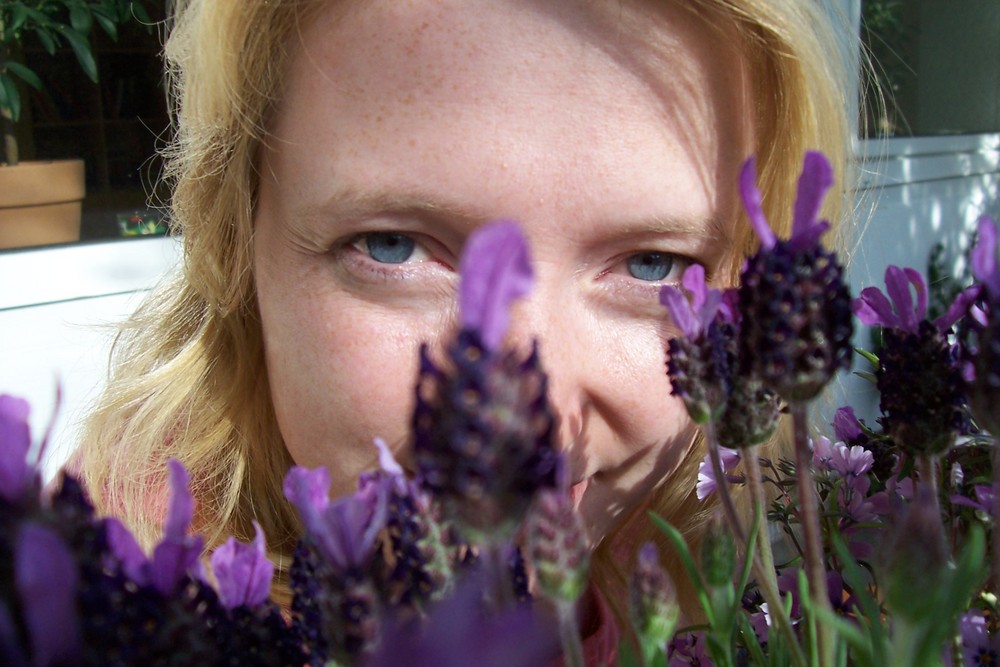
x: 650, y: 266
x: 389, y: 247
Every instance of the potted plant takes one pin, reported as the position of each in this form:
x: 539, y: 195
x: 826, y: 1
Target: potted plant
x: 40, y: 196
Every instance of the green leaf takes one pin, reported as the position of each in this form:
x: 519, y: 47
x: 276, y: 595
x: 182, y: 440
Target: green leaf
x: 80, y: 19
x: 107, y: 25
x: 81, y: 47
x: 12, y: 99
x: 685, y: 555
x: 871, y: 357
x: 626, y: 654
x: 25, y: 74
x: 18, y: 16
x: 864, y: 375
x: 750, y: 640
x: 48, y: 43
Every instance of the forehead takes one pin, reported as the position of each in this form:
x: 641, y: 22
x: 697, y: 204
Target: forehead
x: 548, y: 84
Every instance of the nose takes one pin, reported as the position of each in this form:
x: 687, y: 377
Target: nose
x: 568, y: 356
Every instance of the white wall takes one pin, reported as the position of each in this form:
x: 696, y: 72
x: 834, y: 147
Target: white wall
x: 57, y: 308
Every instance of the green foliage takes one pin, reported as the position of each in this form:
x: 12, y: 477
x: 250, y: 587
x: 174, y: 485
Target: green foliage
x: 54, y: 24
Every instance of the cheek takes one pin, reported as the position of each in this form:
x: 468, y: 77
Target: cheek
x: 340, y: 375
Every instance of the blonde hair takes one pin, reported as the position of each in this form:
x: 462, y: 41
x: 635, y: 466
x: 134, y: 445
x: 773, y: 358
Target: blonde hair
x: 188, y: 375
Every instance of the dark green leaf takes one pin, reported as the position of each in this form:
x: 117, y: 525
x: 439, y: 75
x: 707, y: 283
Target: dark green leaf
x: 80, y: 19
x: 685, y: 555
x: 141, y: 14
x: 107, y: 25
x: 48, y: 43
x: 12, y: 99
x: 18, y: 16
x: 81, y: 47
x: 25, y: 74
x: 871, y: 357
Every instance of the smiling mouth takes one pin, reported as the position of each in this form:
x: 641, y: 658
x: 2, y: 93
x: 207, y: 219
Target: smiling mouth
x: 576, y: 492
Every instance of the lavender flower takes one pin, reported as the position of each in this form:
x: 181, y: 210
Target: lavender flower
x: 343, y: 618
x: 558, y: 546
x: 919, y: 379
x: 707, y: 484
x: 653, y: 604
x: 484, y: 435
x: 796, y: 307
x: 983, y: 501
x: 985, y: 387
x: 701, y: 362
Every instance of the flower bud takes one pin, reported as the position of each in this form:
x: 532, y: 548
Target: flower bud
x: 718, y: 553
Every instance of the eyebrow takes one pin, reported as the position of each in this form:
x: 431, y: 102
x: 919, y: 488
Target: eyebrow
x: 355, y: 203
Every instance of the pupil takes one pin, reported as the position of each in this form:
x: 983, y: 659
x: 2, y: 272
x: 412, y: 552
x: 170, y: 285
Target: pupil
x: 389, y: 248
x: 651, y: 266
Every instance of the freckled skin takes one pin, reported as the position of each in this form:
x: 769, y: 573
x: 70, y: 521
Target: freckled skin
x: 583, y: 120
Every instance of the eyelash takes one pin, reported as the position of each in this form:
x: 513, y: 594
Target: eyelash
x: 355, y: 250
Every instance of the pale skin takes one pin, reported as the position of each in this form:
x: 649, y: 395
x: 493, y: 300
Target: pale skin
x: 612, y: 131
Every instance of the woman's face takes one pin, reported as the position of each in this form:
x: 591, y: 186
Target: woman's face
x: 612, y: 131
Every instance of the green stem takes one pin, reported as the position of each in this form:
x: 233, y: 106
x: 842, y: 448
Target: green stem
x: 722, y: 485
x: 764, y: 562
x: 810, y: 521
x: 569, y: 633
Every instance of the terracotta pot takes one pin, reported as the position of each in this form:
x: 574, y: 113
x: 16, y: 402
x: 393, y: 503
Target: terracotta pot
x: 40, y: 203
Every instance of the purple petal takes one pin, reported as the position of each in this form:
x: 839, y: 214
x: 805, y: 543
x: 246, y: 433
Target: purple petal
x: 984, y: 256
x: 917, y: 281
x: 353, y: 524
x: 693, y: 281
x: 962, y: 304
x: 680, y: 311
x: 128, y: 552
x: 15, y: 441
x: 815, y: 180
x: 495, y: 271
x: 46, y: 579
x: 386, y: 460
x: 874, y: 309
x: 752, y: 200
x: 845, y: 424
x: 897, y: 284
x: 243, y: 571
x: 172, y: 561
x: 181, y: 507
x: 308, y: 489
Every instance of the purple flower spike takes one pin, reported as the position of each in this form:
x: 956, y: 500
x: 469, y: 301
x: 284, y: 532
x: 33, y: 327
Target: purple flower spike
x: 15, y: 440
x: 984, y: 256
x: 874, y: 309
x: 176, y: 556
x: 495, y: 271
x: 752, y: 200
x: 243, y: 571
x: 47, y: 581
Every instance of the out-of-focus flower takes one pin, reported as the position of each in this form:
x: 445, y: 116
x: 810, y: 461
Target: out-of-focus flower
x: 653, y: 606
x: 979, y: 648
x: 796, y: 325
x: 46, y: 578
x: 982, y: 502
x: 177, y: 555
x: 243, y: 572
x: 707, y: 483
x: 558, y: 546
x: 484, y: 434
x: 688, y: 648
x: 15, y: 441
x: 985, y: 350
x: 919, y: 379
